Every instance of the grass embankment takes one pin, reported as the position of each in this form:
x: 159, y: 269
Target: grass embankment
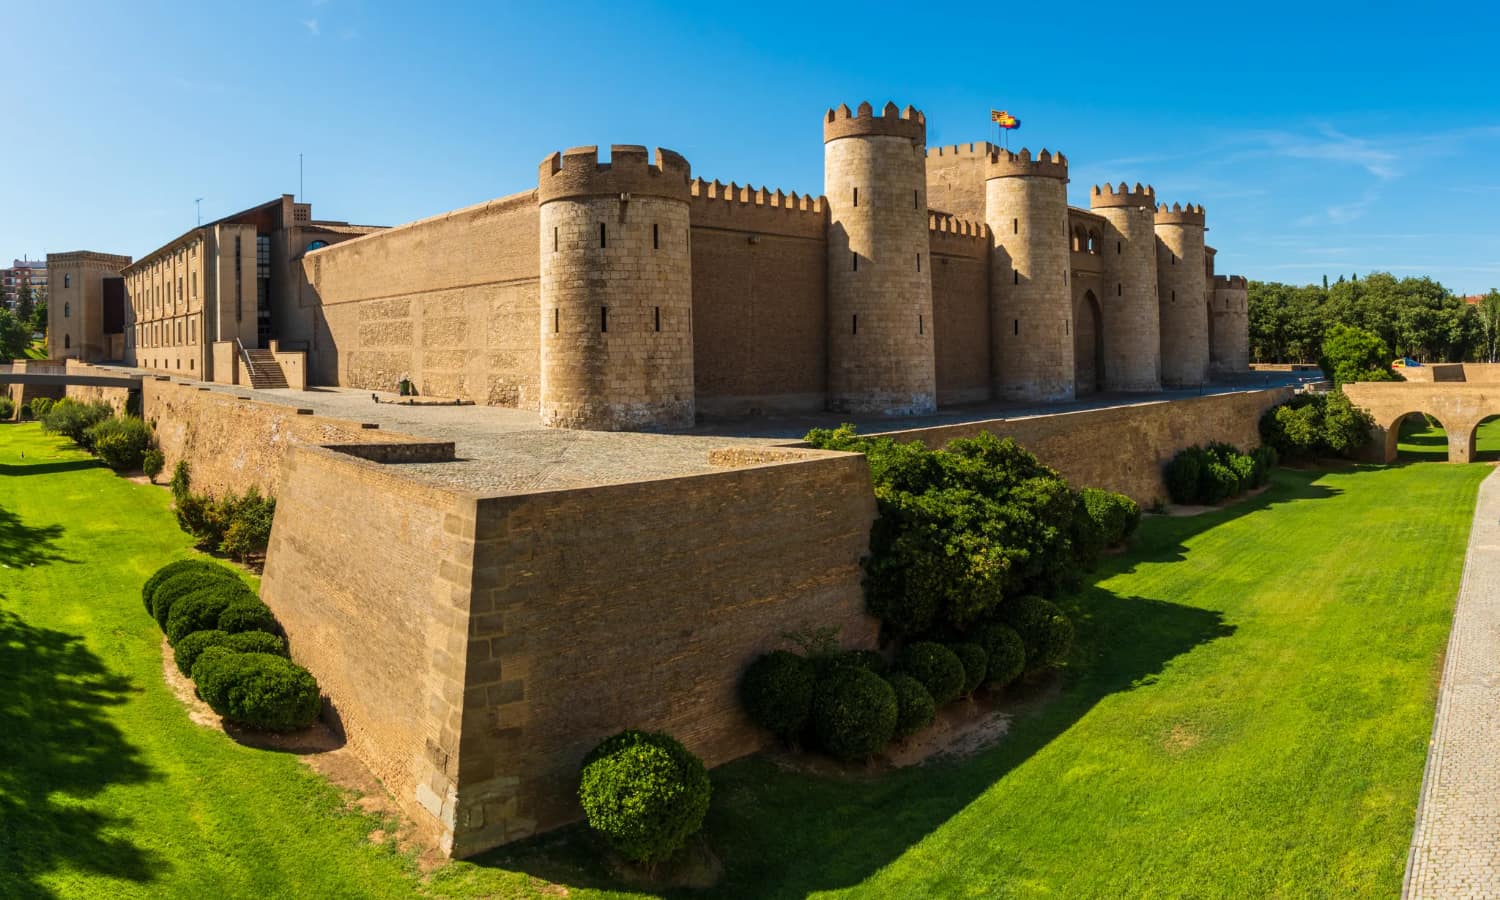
x: 36, y: 350
x: 1421, y: 442
x: 1246, y: 714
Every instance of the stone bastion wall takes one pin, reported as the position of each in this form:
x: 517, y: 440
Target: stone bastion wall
x: 474, y: 649
x: 1123, y: 448
x: 233, y: 443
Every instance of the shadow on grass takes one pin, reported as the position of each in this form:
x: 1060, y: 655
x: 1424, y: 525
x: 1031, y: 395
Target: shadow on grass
x: 1164, y: 542
x: 788, y: 834
x: 49, y: 468
x: 23, y: 545
x: 60, y: 748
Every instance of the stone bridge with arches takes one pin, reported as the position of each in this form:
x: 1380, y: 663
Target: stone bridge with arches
x: 1458, y: 404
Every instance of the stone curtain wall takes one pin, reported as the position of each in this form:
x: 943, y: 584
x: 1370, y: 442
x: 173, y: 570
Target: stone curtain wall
x: 368, y: 572
x: 638, y: 606
x: 233, y: 444
x: 1123, y: 448
x: 760, y: 302
x: 451, y: 301
x: 960, y: 253
x: 116, y: 397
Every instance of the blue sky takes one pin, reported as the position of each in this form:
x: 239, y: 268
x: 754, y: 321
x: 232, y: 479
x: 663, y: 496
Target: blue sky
x: 1320, y: 137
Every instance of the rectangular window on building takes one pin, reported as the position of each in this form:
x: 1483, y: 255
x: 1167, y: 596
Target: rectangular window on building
x: 603, y: 237
x: 656, y: 241
x: 658, y: 318
x: 856, y: 196
x: 854, y: 324
x: 603, y: 315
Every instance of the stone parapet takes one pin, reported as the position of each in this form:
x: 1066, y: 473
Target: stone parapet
x: 907, y: 123
x: 577, y: 172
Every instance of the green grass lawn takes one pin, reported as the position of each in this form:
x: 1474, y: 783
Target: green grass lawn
x: 1419, y: 442
x: 1246, y: 714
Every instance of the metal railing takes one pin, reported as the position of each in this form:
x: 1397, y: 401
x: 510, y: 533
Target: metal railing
x: 245, y: 355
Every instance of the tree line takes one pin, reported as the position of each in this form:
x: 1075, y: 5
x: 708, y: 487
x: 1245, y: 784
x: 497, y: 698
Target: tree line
x: 1415, y: 317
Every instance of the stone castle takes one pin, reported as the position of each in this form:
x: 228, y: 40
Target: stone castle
x: 628, y: 295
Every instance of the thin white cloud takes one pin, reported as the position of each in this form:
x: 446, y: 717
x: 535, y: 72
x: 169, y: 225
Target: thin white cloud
x: 312, y: 26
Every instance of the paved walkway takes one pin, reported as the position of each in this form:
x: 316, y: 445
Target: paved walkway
x: 1455, y: 851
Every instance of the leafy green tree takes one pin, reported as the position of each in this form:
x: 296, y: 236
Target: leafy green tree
x: 1487, y: 314
x: 15, y: 337
x: 1353, y: 354
x: 38, y: 322
x: 25, y: 303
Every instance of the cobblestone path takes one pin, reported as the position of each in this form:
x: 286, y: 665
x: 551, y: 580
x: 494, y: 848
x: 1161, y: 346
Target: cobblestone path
x: 1455, y: 850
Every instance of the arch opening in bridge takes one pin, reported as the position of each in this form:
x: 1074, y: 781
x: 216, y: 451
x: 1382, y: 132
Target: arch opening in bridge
x: 1417, y: 437
x: 1486, y: 440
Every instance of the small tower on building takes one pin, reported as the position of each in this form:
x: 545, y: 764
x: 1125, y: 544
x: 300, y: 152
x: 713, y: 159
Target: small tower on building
x: 1132, y: 321
x: 616, y: 290
x: 880, y: 342
x: 1181, y: 284
x: 1031, y: 305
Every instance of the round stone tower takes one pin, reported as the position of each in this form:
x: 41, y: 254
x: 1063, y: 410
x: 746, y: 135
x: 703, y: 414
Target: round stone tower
x: 1031, y: 303
x: 1132, y: 322
x: 880, y: 348
x: 1181, y: 277
x: 616, y: 290
x: 1229, y: 326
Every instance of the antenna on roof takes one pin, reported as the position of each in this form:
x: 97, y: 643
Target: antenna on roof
x: 198, y: 206
x: 299, y: 176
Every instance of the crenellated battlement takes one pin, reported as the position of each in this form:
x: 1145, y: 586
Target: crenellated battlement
x: 907, y: 123
x: 750, y: 195
x: 1231, y: 283
x: 577, y: 172
x: 953, y: 225
x: 1109, y: 197
x: 978, y: 148
x: 1005, y: 164
x: 735, y: 207
x: 1178, y: 214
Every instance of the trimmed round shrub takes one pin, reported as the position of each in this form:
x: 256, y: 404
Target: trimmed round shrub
x: 1117, y: 515
x: 189, y: 648
x: 1005, y: 653
x: 1184, y: 474
x: 257, y: 689
x: 914, y: 706
x: 975, y: 662
x: 7, y: 409
x: 148, y: 591
x: 854, y: 713
x: 939, y: 670
x: 175, y: 587
x: 1045, y: 630
x: 200, y: 610
x: 248, y: 613
x: 644, y: 793
x: 777, y: 692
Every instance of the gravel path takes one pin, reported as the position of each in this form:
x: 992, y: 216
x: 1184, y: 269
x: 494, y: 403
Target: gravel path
x: 1455, y: 850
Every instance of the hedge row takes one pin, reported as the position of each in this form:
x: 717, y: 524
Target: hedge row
x: 1213, y: 474
x: 228, y: 642
x: 847, y: 704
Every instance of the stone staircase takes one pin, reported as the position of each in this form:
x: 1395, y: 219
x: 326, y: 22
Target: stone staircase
x: 264, y: 371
